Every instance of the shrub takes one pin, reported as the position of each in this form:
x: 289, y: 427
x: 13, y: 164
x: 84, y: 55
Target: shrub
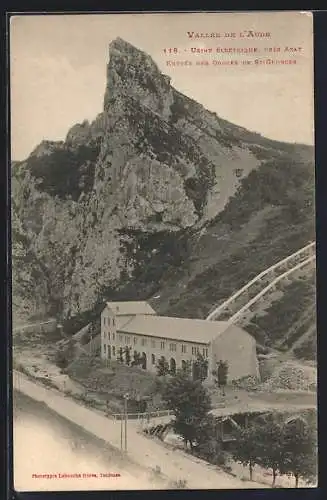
x: 61, y: 359
x: 249, y: 383
x: 66, y: 172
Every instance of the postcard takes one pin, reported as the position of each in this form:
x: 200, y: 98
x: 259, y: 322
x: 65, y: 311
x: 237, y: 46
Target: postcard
x: 163, y: 251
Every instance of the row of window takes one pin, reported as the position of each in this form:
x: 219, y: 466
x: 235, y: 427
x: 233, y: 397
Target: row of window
x: 111, y: 351
x: 196, y: 351
x: 126, y: 339
x: 109, y: 321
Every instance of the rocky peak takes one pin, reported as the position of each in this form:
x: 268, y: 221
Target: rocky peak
x: 131, y: 72
x: 79, y: 134
x: 86, y: 133
x: 47, y: 148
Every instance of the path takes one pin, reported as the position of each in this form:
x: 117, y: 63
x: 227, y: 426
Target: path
x: 174, y: 464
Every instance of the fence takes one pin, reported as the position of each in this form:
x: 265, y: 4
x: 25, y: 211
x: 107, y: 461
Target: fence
x: 142, y: 416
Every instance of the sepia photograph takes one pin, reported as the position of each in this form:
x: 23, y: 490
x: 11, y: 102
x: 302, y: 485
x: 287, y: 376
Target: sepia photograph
x: 163, y: 251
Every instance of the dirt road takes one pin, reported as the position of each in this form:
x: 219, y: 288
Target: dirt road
x: 174, y: 464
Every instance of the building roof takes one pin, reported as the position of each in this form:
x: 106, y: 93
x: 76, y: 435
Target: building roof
x: 122, y: 320
x: 184, y: 329
x: 130, y: 308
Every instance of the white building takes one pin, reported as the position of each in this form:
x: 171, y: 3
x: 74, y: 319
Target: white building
x: 135, y: 325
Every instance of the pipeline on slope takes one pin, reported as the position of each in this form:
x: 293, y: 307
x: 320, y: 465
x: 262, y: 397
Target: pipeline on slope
x: 302, y: 253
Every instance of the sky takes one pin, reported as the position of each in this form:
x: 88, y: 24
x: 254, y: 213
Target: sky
x: 58, y: 70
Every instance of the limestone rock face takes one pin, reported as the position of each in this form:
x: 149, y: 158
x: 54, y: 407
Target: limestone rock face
x: 154, y: 162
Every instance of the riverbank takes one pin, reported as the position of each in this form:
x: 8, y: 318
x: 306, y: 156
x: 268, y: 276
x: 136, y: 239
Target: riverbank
x: 173, y: 466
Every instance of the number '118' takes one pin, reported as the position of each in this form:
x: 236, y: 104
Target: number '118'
x: 170, y: 51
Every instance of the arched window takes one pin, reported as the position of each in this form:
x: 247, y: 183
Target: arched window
x: 172, y: 366
x: 153, y: 359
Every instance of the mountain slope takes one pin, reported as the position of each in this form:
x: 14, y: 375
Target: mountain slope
x: 157, y: 196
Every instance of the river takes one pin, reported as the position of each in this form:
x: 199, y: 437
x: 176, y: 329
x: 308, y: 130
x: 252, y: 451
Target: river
x: 53, y: 454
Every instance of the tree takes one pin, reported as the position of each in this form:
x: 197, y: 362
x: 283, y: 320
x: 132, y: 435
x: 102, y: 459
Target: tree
x: 120, y: 355
x: 246, y: 449
x: 200, y: 368
x: 143, y: 361
x: 162, y: 367
x: 208, y: 445
x: 127, y: 356
x: 136, y: 359
x: 187, y: 367
x: 270, y: 444
x: 189, y: 401
x: 300, y: 451
x: 221, y: 375
x: 61, y: 359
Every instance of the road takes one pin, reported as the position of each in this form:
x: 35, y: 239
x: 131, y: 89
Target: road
x: 146, y: 452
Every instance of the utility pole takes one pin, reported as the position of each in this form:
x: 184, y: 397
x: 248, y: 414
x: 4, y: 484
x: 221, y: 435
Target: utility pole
x: 121, y: 432
x: 123, y: 425
x: 59, y: 327
x: 125, y: 411
x: 91, y: 343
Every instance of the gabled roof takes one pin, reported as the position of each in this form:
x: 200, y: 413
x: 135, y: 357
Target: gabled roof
x: 130, y: 308
x: 184, y: 329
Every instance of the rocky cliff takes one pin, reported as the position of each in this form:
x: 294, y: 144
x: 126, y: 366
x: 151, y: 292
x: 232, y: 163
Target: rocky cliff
x: 125, y: 206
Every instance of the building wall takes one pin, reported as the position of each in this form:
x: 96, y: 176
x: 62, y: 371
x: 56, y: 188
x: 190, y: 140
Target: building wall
x: 112, y: 339
x: 154, y: 348
x: 110, y: 342
x: 109, y: 332
x: 169, y: 349
x: 238, y: 348
x: 235, y: 346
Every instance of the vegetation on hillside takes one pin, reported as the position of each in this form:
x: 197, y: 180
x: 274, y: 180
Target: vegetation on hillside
x: 307, y: 349
x: 109, y: 383
x: 66, y: 172
x: 152, y: 255
x: 281, y: 182
x: 183, y: 108
x: 288, y: 187
x: 287, y: 319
